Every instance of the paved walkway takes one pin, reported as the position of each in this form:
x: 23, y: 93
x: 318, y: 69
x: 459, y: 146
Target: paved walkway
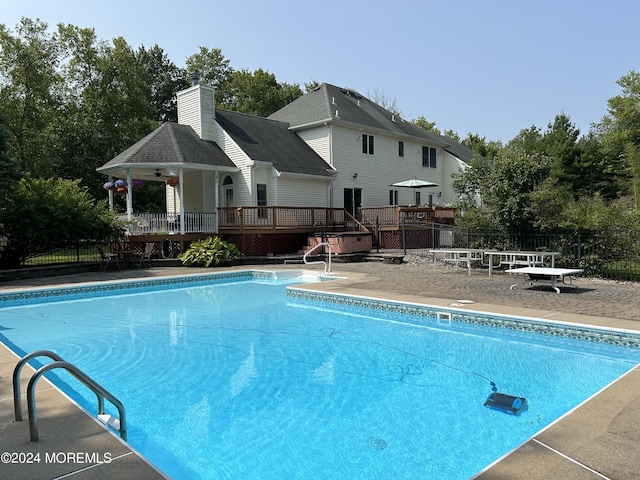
x: 599, y: 440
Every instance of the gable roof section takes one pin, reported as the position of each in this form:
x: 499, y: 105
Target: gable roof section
x: 271, y: 141
x: 170, y: 144
x: 331, y: 104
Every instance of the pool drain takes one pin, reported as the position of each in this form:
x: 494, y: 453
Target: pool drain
x: 378, y: 443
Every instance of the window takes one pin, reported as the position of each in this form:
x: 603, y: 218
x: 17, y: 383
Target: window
x: 261, y: 197
x: 429, y: 157
x: 393, y: 197
x: 401, y: 148
x: 367, y: 144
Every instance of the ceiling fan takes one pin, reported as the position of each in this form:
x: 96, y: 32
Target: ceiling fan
x: 159, y: 174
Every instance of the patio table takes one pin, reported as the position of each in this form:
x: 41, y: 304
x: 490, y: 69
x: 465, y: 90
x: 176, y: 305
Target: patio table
x: 517, y: 257
x: 552, y: 276
x: 457, y: 256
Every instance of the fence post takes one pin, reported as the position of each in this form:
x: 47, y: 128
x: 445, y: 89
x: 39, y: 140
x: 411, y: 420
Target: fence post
x: 579, y: 248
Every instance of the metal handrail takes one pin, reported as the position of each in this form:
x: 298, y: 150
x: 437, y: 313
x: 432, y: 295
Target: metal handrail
x: 304, y: 258
x: 99, y: 390
x: 17, y: 398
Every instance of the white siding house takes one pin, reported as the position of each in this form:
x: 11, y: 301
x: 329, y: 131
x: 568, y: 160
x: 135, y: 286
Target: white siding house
x: 372, y: 148
x: 330, y: 148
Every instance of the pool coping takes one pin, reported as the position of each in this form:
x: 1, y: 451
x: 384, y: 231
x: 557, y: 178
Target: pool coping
x: 558, y: 451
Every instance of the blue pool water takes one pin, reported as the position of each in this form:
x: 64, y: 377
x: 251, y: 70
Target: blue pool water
x: 238, y: 380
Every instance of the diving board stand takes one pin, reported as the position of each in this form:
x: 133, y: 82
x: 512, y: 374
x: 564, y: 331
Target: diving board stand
x: 552, y: 276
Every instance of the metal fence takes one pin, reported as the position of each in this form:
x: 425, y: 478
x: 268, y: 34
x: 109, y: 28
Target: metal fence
x: 614, y: 254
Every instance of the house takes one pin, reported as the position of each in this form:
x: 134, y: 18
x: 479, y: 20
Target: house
x: 313, y: 163
x: 371, y: 148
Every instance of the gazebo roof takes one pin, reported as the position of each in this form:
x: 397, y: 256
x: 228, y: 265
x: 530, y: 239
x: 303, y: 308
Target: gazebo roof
x: 169, y: 146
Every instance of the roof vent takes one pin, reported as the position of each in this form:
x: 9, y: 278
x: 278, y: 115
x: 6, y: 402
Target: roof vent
x: 393, y: 118
x: 358, y: 102
x: 333, y: 100
x: 337, y: 116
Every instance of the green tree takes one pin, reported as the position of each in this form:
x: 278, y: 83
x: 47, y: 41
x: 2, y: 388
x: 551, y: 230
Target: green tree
x: 9, y: 172
x: 214, y: 70
x: 259, y: 93
x: 479, y: 145
x: 165, y: 80
x: 109, y: 111
x: 620, y: 128
x: 632, y: 157
x: 499, y: 192
x: 528, y: 141
x: 31, y: 89
x: 560, y: 143
x: 425, y: 124
x: 44, y: 214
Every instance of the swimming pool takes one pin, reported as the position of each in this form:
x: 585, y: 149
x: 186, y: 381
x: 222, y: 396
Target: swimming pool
x: 233, y: 376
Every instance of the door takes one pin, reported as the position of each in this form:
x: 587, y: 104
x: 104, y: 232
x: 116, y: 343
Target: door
x: 227, y: 199
x: 352, y: 200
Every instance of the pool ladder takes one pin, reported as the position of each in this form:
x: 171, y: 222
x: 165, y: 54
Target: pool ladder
x: 58, y: 362
x: 323, y: 244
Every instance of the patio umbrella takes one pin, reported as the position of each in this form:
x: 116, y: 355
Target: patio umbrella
x: 414, y: 183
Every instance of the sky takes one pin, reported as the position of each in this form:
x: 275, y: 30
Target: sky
x: 490, y: 67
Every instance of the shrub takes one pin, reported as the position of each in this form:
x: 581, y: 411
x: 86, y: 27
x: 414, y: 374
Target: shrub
x: 41, y: 215
x: 208, y: 252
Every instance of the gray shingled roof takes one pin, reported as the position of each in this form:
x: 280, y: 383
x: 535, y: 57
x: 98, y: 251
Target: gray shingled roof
x: 170, y: 144
x: 271, y: 141
x: 344, y: 106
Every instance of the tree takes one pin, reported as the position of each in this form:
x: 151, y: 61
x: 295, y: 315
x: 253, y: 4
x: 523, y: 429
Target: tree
x: 386, y: 101
x: 425, y: 124
x: 259, y: 93
x: 632, y: 157
x: 505, y: 186
x: 109, y: 111
x: 9, y: 172
x: 560, y: 143
x: 621, y: 128
x: 31, y: 87
x: 480, y: 145
x: 44, y: 214
x: 165, y: 80
x: 213, y: 69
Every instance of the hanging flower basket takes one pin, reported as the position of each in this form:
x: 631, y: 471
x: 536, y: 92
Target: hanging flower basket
x: 122, y: 190
x: 109, y: 186
x: 172, y: 182
x: 137, y: 184
x: 121, y: 183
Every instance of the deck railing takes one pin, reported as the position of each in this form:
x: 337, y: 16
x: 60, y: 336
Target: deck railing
x: 280, y: 218
x: 393, y: 216
x: 159, y: 223
x: 241, y: 219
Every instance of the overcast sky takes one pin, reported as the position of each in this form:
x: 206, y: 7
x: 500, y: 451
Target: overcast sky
x: 490, y: 67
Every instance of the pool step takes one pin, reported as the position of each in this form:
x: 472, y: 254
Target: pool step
x: 109, y: 420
